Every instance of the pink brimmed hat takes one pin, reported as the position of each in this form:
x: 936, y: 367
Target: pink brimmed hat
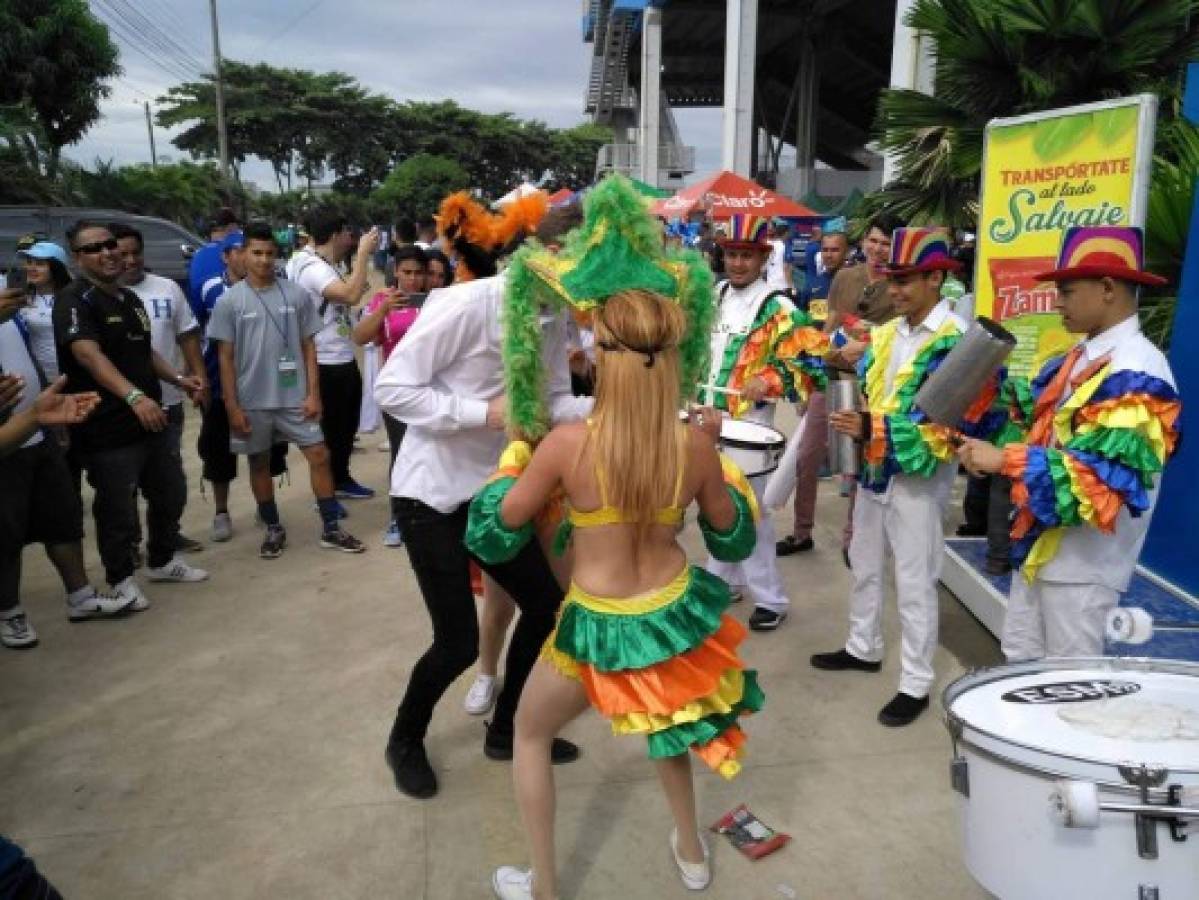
x: 920, y: 250
x: 1109, y: 251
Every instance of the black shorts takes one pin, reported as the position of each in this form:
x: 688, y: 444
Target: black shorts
x: 41, y: 504
x: 220, y: 463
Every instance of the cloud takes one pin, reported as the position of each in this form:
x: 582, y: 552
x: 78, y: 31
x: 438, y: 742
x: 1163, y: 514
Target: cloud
x: 522, y: 56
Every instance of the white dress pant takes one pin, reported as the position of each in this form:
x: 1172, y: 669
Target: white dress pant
x: 907, y: 519
x: 760, y: 573
x: 1049, y: 619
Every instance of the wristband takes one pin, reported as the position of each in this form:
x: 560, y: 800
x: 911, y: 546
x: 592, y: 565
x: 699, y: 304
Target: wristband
x: 133, y: 396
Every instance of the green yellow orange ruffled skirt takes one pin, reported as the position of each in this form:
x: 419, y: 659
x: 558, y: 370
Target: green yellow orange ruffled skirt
x: 663, y: 664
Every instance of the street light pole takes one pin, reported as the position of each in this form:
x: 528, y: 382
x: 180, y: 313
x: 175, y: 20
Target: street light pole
x: 222, y: 135
x: 150, y: 128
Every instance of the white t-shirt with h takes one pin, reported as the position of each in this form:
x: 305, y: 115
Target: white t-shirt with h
x: 170, y: 316
x: 313, y: 273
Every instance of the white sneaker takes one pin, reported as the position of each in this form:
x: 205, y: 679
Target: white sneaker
x: 511, y: 883
x: 481, y: 696
x: 17, y: 633
x: 222, y: 527
x: 124, y: 598
x: 696, y: 876
x: 177, y: 570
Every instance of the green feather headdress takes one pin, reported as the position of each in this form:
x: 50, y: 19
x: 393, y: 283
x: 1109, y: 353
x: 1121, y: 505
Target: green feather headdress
x: 618, y: 247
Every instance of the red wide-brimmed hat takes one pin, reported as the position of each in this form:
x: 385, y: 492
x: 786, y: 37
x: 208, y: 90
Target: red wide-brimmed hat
x: 1109, y: 251
x: 920, y: 250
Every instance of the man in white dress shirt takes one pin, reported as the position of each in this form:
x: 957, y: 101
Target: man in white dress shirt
x: 446, y: 383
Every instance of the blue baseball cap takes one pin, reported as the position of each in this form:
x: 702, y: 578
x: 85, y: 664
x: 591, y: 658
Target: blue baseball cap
x: 47, y: 250
x: 233, y: 240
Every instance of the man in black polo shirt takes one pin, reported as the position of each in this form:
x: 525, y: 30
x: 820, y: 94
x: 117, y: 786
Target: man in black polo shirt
x: 103, y: 337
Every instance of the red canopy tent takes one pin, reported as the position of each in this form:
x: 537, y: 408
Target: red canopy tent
x: 729, y: 194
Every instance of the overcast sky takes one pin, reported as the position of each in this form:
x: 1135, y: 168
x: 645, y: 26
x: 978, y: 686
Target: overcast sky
x: 522, y: 56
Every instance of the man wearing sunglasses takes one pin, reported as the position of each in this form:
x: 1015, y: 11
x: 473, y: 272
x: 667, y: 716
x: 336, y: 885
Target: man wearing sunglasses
x: 103, y: 337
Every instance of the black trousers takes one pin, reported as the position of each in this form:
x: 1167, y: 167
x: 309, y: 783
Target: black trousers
x: 440, y: 561
x: 395, y: 437
x: 341, y: 399
x: 151, y: 465
x: 988, y: 507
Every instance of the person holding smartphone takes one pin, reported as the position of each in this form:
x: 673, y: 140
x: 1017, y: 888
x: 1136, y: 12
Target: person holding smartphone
x: 389, y: 315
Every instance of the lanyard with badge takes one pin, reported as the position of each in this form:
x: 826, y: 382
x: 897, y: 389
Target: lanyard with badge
x: 289, y: 370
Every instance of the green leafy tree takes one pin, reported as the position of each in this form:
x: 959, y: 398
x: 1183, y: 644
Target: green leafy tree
x: 574, y: 151
x: 55, y: 57
x: 415, y: 188
x: 1008, y: 57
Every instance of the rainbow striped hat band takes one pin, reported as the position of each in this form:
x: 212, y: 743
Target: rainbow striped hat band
x: 746, y: 232
x: 1108, y: 251
x: 921, y: 250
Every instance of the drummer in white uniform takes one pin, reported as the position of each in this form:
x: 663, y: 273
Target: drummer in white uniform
x: 763, y: 349
x: 1103, y: 420
x: 907, y: 474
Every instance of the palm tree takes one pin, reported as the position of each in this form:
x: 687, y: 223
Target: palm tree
x: 1000, y: 58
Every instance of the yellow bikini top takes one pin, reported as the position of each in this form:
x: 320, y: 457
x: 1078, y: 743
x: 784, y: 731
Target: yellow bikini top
x: 610, y: 515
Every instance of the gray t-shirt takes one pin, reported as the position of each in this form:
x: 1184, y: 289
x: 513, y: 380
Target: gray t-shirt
x: 266, y: 327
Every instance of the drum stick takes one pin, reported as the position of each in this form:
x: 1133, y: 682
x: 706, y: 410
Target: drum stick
x: 713, y: 389
x: 782, y: 480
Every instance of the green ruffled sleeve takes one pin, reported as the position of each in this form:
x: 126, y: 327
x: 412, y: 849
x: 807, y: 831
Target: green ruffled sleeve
x: 737, y: 543
x: 487, y: 537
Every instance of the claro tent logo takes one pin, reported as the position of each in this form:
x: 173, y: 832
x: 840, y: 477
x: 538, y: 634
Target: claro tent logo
x: 1072, y: 691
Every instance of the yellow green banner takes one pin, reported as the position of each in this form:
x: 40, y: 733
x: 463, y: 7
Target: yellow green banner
x: 1043, y: 173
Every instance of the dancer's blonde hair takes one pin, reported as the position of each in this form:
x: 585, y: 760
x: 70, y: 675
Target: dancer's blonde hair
x: 636, y: 437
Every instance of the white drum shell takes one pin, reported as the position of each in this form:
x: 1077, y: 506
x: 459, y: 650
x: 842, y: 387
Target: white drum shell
x: 1015, y: 845
x: 756, y: 449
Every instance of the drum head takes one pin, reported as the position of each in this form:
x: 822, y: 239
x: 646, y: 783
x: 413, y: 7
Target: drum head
x: 1110, y: 710
x: 738, y: 432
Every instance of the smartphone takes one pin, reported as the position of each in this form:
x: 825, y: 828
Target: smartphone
x: 417, y: 300
x: 15, y: 279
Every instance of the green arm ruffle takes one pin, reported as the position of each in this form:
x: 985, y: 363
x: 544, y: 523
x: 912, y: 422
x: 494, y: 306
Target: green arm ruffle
x: 615, y: 643
x: 911, y: 451
x: 487, y: 537
x: 1123, y: 445
x: 680, y: 738
x: 737, y: 543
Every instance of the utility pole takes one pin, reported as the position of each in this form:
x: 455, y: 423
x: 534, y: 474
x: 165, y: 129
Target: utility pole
x: 150, y: 128
x: 222, y: 135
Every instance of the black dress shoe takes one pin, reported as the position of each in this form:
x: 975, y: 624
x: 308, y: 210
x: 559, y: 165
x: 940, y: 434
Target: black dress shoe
x: 498, y: 746
x: 997, y: 567
x: 841, y: 660
x: 789, y: 545
x: 410, y: 766
x: 903, y: 709
x: 763, y: 619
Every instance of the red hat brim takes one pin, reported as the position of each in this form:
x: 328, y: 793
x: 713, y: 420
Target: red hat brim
x: 744, y: 245
x: 933, y: 265
x: 1118, y: 272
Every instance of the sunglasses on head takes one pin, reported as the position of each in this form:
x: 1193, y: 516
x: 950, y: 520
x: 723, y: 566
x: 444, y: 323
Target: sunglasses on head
x: 97, y: 246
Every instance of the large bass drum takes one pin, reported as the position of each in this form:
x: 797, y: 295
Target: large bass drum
x: 1079, y: 778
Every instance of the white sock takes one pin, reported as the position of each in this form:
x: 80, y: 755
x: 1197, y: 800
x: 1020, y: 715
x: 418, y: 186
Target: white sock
x: 84, y: 593
x: 486, y: 679
x: 128, y: 582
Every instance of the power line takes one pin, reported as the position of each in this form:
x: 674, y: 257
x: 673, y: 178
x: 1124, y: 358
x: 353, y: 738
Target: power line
x: 161, y: 35
x: 135, y: 40
x: 289, y: 26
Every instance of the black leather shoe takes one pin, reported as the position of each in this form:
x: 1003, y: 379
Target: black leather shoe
x: 498, y: 746
x: 789, y: 545
x: 841, y: 660
x: 903, y: 709
x: 763, y: 619
x: 410, y: 766
x: 997, y: 567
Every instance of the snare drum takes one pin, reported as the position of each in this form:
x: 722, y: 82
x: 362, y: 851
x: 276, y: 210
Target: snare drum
x: 755, y: 448
x: 1079, y: 778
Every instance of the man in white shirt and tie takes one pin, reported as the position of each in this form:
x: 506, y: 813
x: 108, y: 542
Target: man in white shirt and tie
x: 446, y: 383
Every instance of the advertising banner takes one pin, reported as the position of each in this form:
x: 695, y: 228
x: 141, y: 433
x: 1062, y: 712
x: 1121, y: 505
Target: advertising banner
x: 1042, y: 173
